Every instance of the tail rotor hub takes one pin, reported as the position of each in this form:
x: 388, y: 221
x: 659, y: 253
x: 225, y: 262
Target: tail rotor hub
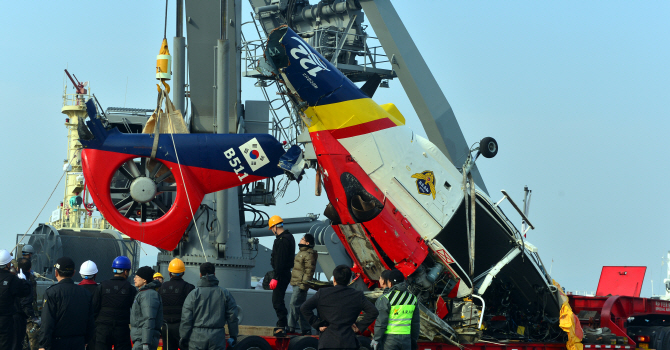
x: 143, y: 189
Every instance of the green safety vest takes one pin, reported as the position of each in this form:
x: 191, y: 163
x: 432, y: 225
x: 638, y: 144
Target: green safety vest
x: 402, y: 309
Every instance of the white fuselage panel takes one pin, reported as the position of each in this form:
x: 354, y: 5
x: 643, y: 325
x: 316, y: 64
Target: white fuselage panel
x: 412, y: 172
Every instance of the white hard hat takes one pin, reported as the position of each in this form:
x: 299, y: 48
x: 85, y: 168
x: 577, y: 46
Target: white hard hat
x: 88, y: 268
x: 28, y: 249
x: 5, y: 258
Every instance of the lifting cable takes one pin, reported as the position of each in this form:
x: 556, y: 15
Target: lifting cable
x: 165, y: 26
x: 195, y: 224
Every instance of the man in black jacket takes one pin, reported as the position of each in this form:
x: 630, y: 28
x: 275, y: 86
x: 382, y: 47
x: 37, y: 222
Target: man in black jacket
x: 112, y: 303
x: 283, y: 253
x: 67, y: 315
x: 11, y: 288
x: 24, y: 307
x: 173, y: 293
x: 338, y: 308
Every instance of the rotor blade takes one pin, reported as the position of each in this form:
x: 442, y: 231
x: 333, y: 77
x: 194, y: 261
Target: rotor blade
x: 130, y: 210
x: 155, y: 170
x: 126, y: 173
x: 143, y: 166
x: 119, y: 190
x: 167, y: 188
x: 123, y: 202
x: 159, y: 204
x: 163, y: 177
x: 143, y: 216
x: 132, y: 167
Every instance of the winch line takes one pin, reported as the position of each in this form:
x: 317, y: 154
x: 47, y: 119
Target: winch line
x: 45, y: 204
x: 165, y: 26
x: 181, y: 174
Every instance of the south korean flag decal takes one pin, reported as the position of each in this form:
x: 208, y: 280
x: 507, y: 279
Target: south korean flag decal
x: 254, y: 154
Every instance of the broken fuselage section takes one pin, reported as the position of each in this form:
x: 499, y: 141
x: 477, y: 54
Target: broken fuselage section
x: 396, y: 201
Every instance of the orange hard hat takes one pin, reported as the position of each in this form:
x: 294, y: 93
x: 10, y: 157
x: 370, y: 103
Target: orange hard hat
x: 176, y: 266
x: 276, y: 219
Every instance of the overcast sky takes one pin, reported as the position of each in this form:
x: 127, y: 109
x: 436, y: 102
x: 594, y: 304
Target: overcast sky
x: 576, y: 94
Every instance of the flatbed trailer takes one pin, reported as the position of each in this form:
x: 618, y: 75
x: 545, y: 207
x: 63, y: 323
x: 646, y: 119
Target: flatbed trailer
x: 634, y: 322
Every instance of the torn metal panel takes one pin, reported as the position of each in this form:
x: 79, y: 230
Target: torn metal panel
x: 363, y: 249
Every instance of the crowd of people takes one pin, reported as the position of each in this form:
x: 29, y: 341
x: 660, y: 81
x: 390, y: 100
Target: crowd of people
x: 338, y: 308
x: 114, y: 313
x: 92, y: 315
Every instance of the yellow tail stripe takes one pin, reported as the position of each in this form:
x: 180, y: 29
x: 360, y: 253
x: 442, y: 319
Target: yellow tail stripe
x: 349, y: 113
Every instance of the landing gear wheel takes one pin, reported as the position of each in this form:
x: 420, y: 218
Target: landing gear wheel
x: 488, y: 147
x: 251, y: 342
x: 303, y: 343
x: 139, y: 181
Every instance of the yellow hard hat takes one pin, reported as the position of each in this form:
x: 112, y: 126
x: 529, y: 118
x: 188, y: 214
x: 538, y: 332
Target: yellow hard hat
x: 158, y: 274
x: 176, y: 266
x: 274, y: 221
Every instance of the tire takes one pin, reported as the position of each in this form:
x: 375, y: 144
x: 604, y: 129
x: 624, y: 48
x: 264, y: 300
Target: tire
x: 251, y: 342
x: 303, y: 343
x: 364, y: 343
x: 488, y: 147
x: 664, y: 342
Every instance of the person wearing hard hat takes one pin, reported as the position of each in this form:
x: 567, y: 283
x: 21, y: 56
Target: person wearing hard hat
x: 283, y: 253
x: 33, y: 327
x: 159, y: 277
x: 206, y: 311
x: 173, y: 293
x: 27, y: 251
x: 88, y: 271
x: 112, y: 301
x: 12, y: 287
x: 146, y: 315
x: 24, y: 307
x: 67, y: 315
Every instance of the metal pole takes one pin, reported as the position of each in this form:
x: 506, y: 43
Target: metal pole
x: 179, y: 62
x: 222, y: 76
x: 180, y: 18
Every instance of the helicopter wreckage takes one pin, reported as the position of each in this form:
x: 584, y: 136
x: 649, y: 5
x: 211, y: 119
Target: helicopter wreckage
x: 396, y: 201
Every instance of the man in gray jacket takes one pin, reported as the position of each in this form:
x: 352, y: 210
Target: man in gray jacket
x: 206, y: 311
x: 398, y: 324
x: 146, y: 315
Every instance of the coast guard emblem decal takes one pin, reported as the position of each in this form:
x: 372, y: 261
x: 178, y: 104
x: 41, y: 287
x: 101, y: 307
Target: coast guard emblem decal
x: 425, y: 183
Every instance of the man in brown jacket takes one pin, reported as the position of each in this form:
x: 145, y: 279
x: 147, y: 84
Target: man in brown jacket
x: 303, y: 270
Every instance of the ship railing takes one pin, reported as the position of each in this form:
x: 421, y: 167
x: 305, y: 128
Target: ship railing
x: 78, y: 218
x: 75, y: 99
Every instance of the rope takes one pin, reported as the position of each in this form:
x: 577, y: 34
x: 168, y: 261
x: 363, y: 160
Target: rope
x: 195, y: 224
x: 45, y: 204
